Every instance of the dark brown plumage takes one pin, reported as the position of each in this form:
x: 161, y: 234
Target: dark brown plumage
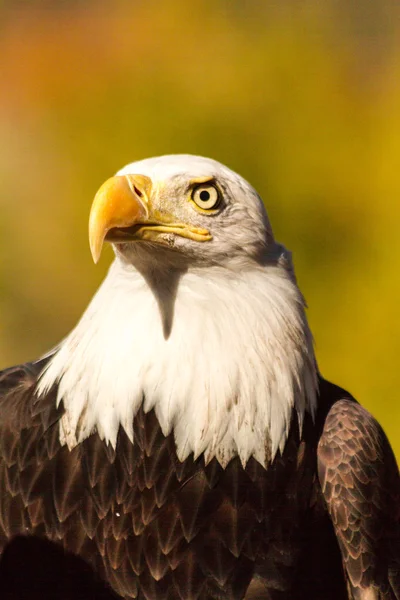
x: 136, y: 522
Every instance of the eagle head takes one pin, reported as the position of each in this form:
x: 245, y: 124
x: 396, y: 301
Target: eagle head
x: 195, y: 207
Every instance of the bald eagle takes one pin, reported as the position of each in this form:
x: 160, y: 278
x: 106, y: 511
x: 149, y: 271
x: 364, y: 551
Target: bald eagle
x: 180, y: 442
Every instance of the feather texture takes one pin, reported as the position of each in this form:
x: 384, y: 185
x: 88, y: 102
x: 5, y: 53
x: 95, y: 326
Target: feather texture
x: 196, y: 381
x: 151, y: 526
x: 361, y: 486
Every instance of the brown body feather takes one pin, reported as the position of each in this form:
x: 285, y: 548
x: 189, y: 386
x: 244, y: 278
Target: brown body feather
x: 135, y: 522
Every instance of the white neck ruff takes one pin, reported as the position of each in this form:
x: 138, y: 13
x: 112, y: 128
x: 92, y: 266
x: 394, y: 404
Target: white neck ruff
x: 239, y: 358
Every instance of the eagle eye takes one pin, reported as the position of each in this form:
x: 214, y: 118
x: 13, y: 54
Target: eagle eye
x: 206, y: 196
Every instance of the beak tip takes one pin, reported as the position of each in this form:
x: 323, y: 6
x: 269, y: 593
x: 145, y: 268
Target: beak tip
x: 95, y: 251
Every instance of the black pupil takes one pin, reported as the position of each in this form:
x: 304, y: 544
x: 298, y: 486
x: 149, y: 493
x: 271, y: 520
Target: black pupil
x: 204, y: 195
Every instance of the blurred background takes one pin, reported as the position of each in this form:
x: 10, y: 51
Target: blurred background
x: 301, y: 97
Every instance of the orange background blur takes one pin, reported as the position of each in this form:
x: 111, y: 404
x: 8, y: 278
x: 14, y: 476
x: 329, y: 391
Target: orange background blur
x: 302, y: 98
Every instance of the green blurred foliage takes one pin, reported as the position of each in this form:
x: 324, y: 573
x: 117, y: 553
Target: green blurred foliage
x: 302, y: 98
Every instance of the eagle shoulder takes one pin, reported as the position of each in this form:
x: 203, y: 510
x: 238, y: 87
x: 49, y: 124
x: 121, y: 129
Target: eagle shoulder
x: 360, y: 484
x: 19, y: 406
x: 29, y: 449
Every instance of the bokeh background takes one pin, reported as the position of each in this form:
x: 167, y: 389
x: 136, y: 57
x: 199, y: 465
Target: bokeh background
x: 302, y: 98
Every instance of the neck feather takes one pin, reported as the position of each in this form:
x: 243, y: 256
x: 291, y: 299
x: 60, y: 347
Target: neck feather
x: 223, y: 358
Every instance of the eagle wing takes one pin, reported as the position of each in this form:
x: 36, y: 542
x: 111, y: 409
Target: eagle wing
x: 360, y: 483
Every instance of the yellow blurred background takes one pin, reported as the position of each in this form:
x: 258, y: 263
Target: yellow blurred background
x: 302, y: 98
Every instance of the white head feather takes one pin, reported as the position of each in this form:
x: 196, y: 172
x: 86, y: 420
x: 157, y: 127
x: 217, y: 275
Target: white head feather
x: 212, y: 336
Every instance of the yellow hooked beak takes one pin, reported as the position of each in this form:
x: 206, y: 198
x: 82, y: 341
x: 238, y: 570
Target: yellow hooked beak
x: 122, y: 211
